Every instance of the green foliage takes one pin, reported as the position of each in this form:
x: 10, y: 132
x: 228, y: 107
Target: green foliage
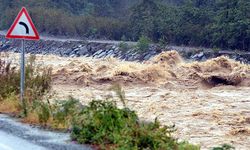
x: 224, y: 147
x: 143, y: 19
x: 65, y: 111
x: 103, y: 123
x: 123, y: 38
x: 210, y: 23
x: 216, y: 50
x: 231, y: 26
x: 98, y: 121
x: 43, y: 111
x: 143, y: 44
x: 163, y: 42
x: 59, y: 114
x: 123, y: 46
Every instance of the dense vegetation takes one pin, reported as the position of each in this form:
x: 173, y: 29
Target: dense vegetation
x: 211, y: 23
x: 104, y: 124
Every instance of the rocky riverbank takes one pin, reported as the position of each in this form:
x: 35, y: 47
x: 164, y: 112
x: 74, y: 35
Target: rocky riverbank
x: 128, y: 52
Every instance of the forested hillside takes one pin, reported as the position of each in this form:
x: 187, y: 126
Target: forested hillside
x: 211, y: 23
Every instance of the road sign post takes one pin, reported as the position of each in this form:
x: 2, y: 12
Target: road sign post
x: 22, y: 79
x: 23, y: 28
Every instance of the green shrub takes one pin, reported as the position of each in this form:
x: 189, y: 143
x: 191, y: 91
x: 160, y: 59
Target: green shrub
x: 42, y: 110
x: 124, y: 47
x: 143, y: 44
x: 100, y: 122
x: 103, y: 123
x: 162, y: 42
x: 216, y: 50
x: 224, y: 147
x: 123, y: 38
x: 65, y: 111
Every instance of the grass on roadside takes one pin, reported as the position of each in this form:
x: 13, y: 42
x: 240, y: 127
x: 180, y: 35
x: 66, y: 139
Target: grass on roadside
x: 37, y: 84
x: 10, y: 105
x: 37, y: 80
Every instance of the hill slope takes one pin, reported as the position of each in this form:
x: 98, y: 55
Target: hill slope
x: 212, y: 23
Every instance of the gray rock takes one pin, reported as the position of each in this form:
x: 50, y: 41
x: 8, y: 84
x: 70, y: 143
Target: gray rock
x: 5, y: 47
x: 130, y: 58
x: 110, y: 52
x: 83, y: 51
x: 200, y: 55
x: 116, y: 49
x: 67, y: 52
x: 204, y: 58
x: 103, y: 54
x: 108, y: 47
x: 147, y: 57
x: 97, y: 53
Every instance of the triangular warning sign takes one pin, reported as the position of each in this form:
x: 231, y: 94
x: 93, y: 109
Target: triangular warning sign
x: 23, y: 27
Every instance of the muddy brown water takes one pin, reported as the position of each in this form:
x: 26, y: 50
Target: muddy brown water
x: 207, y: 116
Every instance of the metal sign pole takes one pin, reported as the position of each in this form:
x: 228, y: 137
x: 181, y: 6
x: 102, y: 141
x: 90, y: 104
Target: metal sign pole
x: 26, y: 30
x: 22, y: 81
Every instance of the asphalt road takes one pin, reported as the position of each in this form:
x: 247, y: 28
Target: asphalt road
x: 17, y: 136
x: 64, y: 39
x: 6, y: 143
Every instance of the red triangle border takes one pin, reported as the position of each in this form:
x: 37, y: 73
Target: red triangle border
x: 9, y: 36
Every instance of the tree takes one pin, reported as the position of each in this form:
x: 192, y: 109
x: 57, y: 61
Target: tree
x: 195, y: 16
x: 143, y: 19
x: 232, y: 24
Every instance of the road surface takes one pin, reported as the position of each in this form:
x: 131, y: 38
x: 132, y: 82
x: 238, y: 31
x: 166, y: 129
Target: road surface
x: 64, y: 39
x: 17, y: 136
x: 6, y: 143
